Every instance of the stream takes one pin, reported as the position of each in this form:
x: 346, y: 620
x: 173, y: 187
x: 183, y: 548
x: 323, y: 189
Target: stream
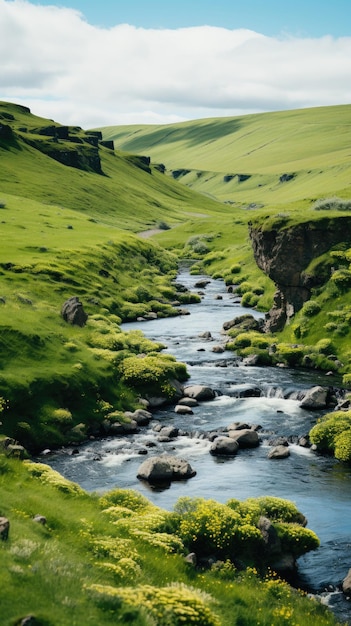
x: 320, y: 486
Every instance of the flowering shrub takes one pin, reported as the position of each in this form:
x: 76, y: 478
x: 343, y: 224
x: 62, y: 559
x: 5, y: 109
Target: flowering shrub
x: 124, y: 497
x: 276, y: 509
x: 332, y: 434
x: 51, y: 477
x: 175, y: 605
x: 296, y: 539
x: 125, y: 569
x: 213, y: 528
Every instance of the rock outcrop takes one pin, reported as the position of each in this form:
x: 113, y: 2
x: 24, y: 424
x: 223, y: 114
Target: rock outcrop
x: 284, y: 254
x: 72, y: 312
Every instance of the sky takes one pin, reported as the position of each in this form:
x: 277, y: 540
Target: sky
x: 150, y: 61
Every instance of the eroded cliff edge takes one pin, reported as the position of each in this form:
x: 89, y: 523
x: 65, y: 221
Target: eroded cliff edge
x: 285, y: 252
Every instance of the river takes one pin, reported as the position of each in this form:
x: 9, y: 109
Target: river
x: 320, y: 486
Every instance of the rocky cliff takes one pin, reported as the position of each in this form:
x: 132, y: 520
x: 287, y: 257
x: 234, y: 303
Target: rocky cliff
x: 285, y: 253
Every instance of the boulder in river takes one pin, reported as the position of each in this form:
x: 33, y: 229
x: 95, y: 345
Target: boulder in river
x: 165, y: 468
x: 279, y: 452
x: 246, y: 438
x: 346, y: 584
x: 191, y: 402
x: 199, y: 392
x: 182, y: 409
x: 224, y: 446
x: 315, y: 398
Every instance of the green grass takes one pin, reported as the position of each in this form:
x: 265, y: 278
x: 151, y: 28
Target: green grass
x: 311, y: 143
x: 93, y: 552
x: 72, y: 231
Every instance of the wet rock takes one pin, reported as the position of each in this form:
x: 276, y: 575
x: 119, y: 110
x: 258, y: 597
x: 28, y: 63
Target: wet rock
x: 183, y: 410
x: 165, y: 468
x: 191, y: 402
x: 206, y: 335
x: 315, y: 398
x: 201, y: 284
x: 224, y: 446
x: 346, y: 584
x: 218, y: 349
x: 199, y: 392
x: 279, y: 452
x: 278, y: 441
x: 246, y: 438
x: 169, y: 431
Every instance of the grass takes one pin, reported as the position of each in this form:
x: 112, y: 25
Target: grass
x: 89, y: 565
x: 311, y: 143
x: 72, y: 231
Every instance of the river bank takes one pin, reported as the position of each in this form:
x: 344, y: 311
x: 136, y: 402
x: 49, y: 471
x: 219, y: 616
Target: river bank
x: 320, y: 486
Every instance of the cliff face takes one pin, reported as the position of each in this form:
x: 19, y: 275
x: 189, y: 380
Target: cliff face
x: 284, y: 255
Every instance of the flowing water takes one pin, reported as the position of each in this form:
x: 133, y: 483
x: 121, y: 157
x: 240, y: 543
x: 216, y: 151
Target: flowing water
x: 319, y: 486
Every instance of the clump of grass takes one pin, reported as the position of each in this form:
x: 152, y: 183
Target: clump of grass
x: 332, y: 204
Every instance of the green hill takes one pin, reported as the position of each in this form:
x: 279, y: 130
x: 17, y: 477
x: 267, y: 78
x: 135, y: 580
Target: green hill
x: 242, y: 159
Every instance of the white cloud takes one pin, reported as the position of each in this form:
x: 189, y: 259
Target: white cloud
x: 66, y: 69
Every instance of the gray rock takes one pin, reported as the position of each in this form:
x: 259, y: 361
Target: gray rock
x: 72, y: 312
x: 279, y: 452
x: 165, y: 468
x: 183, y: 410
x: 315, y: 398
x: 199, y: 392
x: 224, y: 446
x: 141, y: 416
x: 188, y: 402
x: 346, y: 584
x: 269, y: 534
x: 218, y: 349
x: 191, y: 558
x: 169, y: 431
x: 40, y: 519
x: 246, y: 438
x: 4, y: 528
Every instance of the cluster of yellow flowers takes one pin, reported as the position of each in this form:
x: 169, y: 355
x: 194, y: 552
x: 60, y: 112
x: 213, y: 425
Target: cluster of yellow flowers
x: 51, y: 477
x: 175, y: 605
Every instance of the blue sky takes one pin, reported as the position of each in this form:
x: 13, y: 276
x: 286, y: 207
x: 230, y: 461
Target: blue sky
x: 311, y: 18
x: 130, y: 62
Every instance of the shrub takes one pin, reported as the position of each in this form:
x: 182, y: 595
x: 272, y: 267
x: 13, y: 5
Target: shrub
x: 290, y: 355
x: 249, y: 299
x: 174, y: 605
x: 342, y: 279
x: 325, y: 346
x: 244, y: 287
x: 153, y: 373
x: 334, y: 203
x: 327, y: 430
x: 311, y: 308
x: 236, y: 268
x: 296, y: 539
x: 213, y: 528
x: 343, y: 445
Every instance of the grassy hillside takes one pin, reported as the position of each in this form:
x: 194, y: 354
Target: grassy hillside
x: 66, y: 230
x: 241, y: 159
x: 118, y: 558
